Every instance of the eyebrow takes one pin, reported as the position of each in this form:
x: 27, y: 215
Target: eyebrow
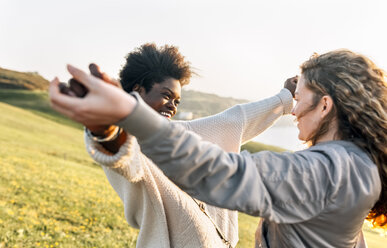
x: 170, y: 91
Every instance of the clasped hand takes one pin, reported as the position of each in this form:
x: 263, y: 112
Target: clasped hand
x: 104, y: 103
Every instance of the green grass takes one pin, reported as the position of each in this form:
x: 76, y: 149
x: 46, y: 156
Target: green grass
x: 253, y: 147
x: 247, y: 226
x: 53, y: 195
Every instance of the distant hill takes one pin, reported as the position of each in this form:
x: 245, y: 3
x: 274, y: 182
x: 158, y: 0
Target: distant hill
x: 198, y: 103
x: 22, y: 80
x: 205, y: 104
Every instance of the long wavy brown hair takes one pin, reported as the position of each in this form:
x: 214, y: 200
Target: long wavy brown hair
x: 359, y: 92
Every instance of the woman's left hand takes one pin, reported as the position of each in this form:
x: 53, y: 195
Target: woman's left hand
x: 291, y: 84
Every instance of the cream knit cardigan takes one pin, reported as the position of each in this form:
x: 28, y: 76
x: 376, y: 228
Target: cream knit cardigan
x: 165, y: 215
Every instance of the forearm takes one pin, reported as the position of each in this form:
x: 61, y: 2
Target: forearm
x: 260, y: 115
x: 241, y: 122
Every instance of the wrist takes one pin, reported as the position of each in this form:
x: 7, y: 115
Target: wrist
x: 103, y: 131
x: 110, y: 134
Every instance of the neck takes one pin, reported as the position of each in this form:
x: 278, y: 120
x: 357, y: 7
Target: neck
x: 332, y: 134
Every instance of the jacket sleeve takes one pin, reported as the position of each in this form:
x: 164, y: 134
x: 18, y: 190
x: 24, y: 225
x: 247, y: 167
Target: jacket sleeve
x: 241, y: 122
x: 285, y: 188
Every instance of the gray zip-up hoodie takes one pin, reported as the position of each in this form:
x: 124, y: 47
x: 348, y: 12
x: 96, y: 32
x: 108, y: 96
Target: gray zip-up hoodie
x: 318, y: 197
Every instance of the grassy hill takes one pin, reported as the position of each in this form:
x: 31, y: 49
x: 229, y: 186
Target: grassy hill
x: 204, y: 104
x: 22, y: 80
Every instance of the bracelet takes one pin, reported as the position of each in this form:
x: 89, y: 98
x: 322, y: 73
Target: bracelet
x: 100, y: 139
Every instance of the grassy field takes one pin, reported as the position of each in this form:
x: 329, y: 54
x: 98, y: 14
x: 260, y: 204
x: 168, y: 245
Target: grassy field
x: 53, y: 195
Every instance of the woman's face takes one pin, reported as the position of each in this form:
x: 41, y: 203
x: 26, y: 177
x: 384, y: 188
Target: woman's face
x: 164, y: 97
x: 308, y: 119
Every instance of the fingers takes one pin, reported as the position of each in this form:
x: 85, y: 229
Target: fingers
x: 292, y: 80
x: 55, y: 90
x: 295, y: 79
x: 110, y: 80
x: 63, y: 88
x: 79, y: 89
x: 62, y: 103
x: 95, y: 70
x: 63, y: 110
x: 81, y: 76
x: 291, y: 84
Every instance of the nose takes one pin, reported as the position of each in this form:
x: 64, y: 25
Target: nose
x: 172, y: 106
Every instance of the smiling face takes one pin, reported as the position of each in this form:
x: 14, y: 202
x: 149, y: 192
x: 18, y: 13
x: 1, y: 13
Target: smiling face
x: 308, y: 116
x: 164, y: 97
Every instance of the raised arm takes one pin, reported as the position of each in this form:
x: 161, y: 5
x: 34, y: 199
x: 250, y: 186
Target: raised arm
x: 242, y: 122
x: 260, y: 115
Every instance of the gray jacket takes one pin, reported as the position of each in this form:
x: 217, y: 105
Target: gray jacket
x: 317, y: 197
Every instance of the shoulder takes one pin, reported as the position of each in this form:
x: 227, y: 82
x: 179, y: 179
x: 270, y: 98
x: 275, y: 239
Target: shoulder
x: 342, y: 153
x: 348, y: 165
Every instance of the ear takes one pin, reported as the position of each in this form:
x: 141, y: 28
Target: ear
x: 326, y: 105
x: 139, y: 89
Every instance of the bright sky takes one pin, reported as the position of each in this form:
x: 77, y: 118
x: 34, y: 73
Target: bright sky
x: 245, y: 49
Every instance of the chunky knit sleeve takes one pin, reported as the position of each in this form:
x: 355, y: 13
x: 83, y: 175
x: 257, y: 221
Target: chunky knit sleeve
x: 260, y: 115
x: 126, y: 162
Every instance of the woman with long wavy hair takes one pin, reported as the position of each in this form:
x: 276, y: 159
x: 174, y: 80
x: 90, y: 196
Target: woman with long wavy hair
x: 318, y: 197
x: 358, y: 88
